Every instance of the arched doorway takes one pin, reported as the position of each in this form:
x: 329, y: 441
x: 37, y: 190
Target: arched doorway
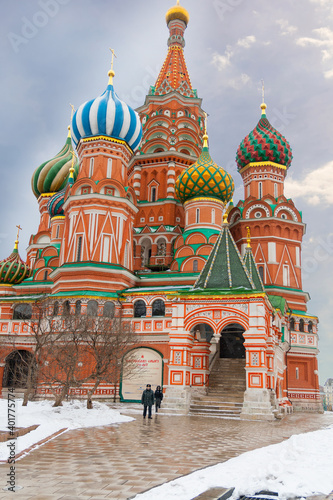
x: 232, y: 342
x: 202, y: 332
x: 16, y: 368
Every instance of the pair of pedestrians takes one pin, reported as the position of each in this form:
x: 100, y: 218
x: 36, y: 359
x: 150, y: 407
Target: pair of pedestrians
x: 148, y: 398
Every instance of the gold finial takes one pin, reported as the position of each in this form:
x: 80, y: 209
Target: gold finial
x: 205, y: 136
x: 111, y: 73
x: 69, y: 128
x: 71, y: 170
x: 225, y: 218
x: 263, y: 105
x: 177, y: 2
x: 248, y: 237
x: 17, y: 237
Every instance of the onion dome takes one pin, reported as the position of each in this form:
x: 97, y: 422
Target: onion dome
x: 264, y: 143
x: 52, y: 175
x: 177, y: 12
x: 204, y: 179
x: 13, y: 270
x: 55, y: 204
x: 109, y: 116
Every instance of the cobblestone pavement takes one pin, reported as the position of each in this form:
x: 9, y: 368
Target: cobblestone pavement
x: 119, y: 461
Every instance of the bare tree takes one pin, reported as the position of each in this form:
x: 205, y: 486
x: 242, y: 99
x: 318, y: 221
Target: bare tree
x: 25, y: 370
x: 107, y: 340
x: 73, y: 349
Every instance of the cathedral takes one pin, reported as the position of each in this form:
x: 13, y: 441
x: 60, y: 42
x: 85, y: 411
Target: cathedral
x: 138, y: 219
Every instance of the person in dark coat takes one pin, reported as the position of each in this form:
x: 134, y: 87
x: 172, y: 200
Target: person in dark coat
x: 147, y: 399
x: 158, y: 397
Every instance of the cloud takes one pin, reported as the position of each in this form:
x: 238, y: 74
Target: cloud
x: 322, y: 39
x: 316, y: 187
x: 222, y: 61
x: 286, y: 28
x: 246, y: 42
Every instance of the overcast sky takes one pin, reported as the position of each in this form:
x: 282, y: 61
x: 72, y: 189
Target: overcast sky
x: 56, y: 52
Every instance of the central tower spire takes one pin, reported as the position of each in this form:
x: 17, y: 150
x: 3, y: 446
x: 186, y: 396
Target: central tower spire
x: 174, y: 74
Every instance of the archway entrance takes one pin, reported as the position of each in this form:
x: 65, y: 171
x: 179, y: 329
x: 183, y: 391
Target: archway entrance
x: 16, y: 369
x: 232, y: 342
x: 202, y: 332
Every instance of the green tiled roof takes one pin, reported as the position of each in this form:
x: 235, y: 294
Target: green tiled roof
x: 251, y: 266
x: 225, y: 268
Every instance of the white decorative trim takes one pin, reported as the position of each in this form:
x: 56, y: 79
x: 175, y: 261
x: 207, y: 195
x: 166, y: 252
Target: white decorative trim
x: 253, y: 207
x: 287, y: 209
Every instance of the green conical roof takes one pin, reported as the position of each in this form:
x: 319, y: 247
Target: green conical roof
x: 225, y: 268
x: 251, y: 266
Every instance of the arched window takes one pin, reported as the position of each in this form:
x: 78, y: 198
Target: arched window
x: 22, y: 311
x: 197, y: 215
x: 301, y: 325
x: 108, y: 310
x: 153, y: 193
x: 213, y: 216
x: 158, y: 308
x: 56, y: 308
x: 57, y: 231
x: 310, y: 327
x: 195, y: 266
x: 275, y: 190
x: 79, y: 247
x: 260, y: 190
x: 66, y: 308
x: 292, y: 324
x: 109, y: 168
x: 78, y: 308
x: 91, y: 167
x: 261, y: 272
x: 92, y: 308
x: 45, y: 275
x: 139, y: 309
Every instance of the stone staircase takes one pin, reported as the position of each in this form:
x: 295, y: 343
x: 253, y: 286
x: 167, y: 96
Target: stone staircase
x: 226, y: 390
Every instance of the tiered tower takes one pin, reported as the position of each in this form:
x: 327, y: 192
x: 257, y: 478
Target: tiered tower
x: 277, y: 229
x: 173, y: 124
x: 99, y: 208
x: 263, y: 159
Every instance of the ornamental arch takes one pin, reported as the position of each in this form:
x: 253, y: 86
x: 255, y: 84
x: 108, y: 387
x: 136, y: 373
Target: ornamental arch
x: 17, y: 365
x: 232, y: 341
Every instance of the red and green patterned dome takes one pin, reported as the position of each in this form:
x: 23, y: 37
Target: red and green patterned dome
x: 13, y: 270
x: 264, y: 143
x: 52, y: 175
x: 204, y: 179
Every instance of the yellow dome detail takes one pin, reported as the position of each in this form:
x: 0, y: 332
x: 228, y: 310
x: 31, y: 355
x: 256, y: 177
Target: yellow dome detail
x: 204, y: 179
x: 177, y: 12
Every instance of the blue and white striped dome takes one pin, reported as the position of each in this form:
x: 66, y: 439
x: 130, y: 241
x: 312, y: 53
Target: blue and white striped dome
x: 107, y: 115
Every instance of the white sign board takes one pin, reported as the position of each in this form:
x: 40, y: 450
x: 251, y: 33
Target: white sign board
x: 141, y: 366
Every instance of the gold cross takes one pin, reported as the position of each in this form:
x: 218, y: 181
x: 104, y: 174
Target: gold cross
x: 113, y: 56
x: 263, y: 91
x: 72, y: 113
x: 18, y: 231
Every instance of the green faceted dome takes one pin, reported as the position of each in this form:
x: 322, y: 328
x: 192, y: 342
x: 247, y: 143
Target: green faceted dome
x: 204, y: 179
x: 13, y: 270
x: 52, y: 175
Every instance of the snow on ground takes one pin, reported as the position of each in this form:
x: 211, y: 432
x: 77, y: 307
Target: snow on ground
x: 72, y: 415
x: 300, y: 466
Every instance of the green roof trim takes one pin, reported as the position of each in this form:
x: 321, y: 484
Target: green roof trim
x: 278, y: 302
x: 85, y: 293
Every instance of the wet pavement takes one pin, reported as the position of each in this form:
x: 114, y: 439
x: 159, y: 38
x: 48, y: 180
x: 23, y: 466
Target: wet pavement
x: 119, y: 461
